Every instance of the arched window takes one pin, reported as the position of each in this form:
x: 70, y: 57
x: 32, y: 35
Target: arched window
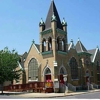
x: 74, y: 68
x: 33, y: 69
x: 47, y: 71
x: 63, y: 45
x: 58, y: 43
x: 48, y: 75
x: 80, y: 63
x: 44, y: 45
x: 97, y: 65
x: 61, y: 71
x: 87, y: 62
x: 49, y: 44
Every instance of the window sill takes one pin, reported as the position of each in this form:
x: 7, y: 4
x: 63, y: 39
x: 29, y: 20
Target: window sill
x: 17, y: 83
x: 74, y: 79
x: 32, y: 80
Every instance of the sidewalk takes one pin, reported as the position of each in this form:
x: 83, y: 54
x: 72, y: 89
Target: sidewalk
x: 48, y: 95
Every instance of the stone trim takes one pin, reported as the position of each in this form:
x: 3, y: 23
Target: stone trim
x: 47, y: 52
x: 25, y: 68
x: 60, y: 31
x: 81, y: 53
x: 74, y: 79
x: 32, y: 80
x: 62, y: 52
x: 46, y: 31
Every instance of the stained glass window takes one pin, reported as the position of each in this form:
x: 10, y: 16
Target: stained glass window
x: 33, y: 69
x: 74, y: 68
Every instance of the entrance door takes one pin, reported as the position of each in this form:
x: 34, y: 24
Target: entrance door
x: 87, y: 77
x: 48, y: 78
x: 61, y: 78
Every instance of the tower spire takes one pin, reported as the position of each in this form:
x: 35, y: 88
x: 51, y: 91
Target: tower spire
x: 52, y: 10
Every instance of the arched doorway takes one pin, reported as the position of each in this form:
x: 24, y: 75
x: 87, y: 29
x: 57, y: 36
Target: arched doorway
x: 87, y: 77
x: 62, y: 74
x: 47, y: 75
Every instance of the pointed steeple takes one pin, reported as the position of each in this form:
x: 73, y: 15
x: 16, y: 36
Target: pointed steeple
x: 80, y: 47
x: 52, y: 11
x: 71, y: 45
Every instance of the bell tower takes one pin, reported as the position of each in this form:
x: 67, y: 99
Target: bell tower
x: 53, y: 33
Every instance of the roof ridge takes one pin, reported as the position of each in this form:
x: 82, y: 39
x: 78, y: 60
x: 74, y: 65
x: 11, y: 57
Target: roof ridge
x: 95, y: 54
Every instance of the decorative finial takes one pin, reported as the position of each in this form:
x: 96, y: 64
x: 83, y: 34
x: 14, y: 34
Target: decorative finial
x: 53, y: 18
x: 97, y: 46
x: 78, y: 39
x: 71, y: 40
x: 64, y: 23
x: 33, y: 41
x: 41, y: 22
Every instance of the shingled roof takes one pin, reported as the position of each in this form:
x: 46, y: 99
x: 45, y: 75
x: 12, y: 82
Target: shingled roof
x: 23, y: 58
x: 71, y: 45
x: 52, y: 10
x: 80, y: 47
x: 38, y: 46
x: 93, y: 53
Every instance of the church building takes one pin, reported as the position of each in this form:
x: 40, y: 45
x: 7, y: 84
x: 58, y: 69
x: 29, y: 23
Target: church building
x: 56, y: 60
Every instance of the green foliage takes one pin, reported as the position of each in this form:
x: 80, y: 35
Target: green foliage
x: 8, y: 65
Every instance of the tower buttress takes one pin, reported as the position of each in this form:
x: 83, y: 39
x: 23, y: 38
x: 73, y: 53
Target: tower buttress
x: 42, y: 27
x: 64, y: 24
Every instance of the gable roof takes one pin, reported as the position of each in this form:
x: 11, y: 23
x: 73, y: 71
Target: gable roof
x: 52, y: 10
x: 23, y: 58
x: 80, y: 47
x: 38, y: 46
x: 71, y: 45
x: 94, y: 53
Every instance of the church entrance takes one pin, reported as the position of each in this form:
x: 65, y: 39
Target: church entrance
x: 61, y: 78
x: 87, y: 77
x: 47, y: 75
x: 62, y: 75
x: 48, y: 78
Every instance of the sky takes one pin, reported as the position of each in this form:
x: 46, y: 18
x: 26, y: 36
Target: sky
x: 19, y: 22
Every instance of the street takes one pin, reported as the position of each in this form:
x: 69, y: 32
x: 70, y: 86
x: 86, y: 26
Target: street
x: 91, y: 95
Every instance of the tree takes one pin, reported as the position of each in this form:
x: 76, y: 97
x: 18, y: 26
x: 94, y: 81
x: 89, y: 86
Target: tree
x: 8, y: 66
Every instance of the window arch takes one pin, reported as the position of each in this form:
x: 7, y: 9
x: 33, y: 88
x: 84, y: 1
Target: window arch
x: 47, y: 75
x: 97, y: 65
x: 58, y: 39
x: 80, y: 62
x: 49, y: 44
x: 74, y: 68
x: 62, y: 71
x: 47, y: 71
x: 33, y: 69
x: 44, y: 45
x: 63, y: 45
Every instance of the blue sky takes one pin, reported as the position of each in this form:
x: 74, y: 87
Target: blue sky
x: 19, y: 21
